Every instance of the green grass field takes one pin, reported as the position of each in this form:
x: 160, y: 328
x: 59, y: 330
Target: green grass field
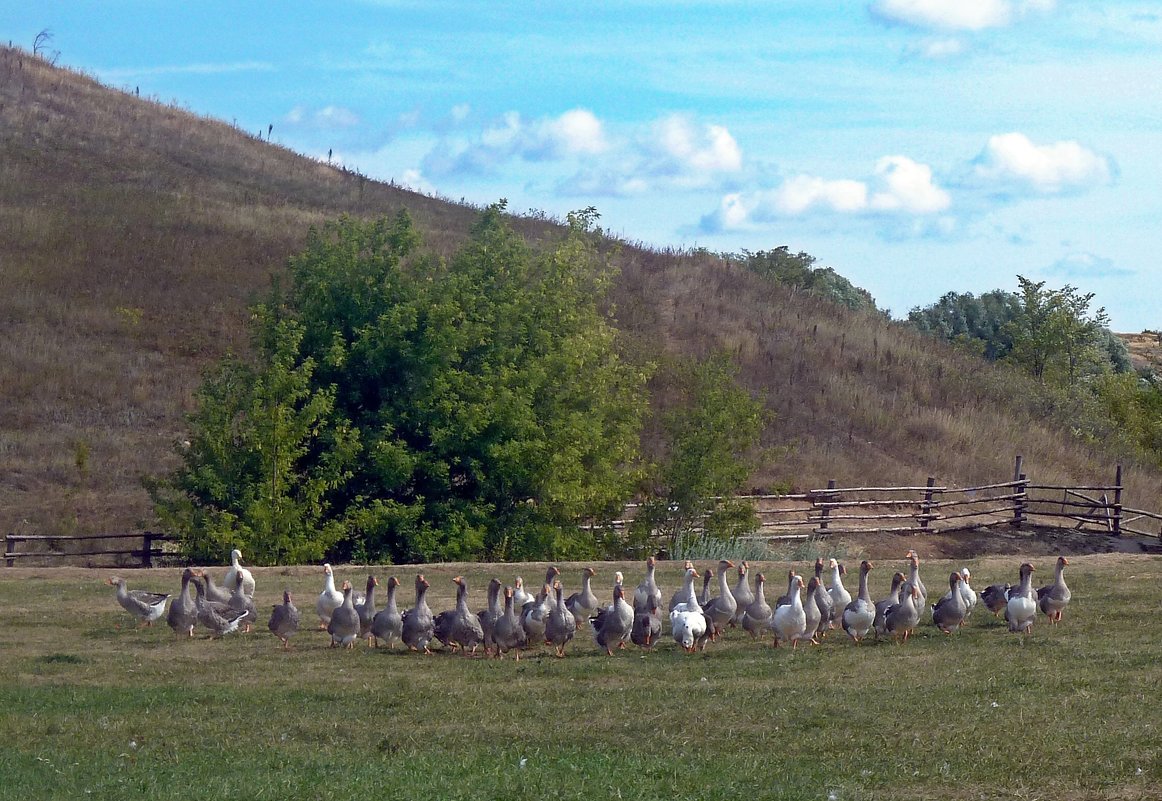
x: 90, y: 710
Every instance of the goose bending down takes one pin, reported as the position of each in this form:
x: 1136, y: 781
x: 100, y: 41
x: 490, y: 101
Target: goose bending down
x: 996, y: 597
x: 218, y: 618
x: 145, y: 606
x: 560, y: 625
x: 418, y: 625
x: 859, y: 614
x: 789, y: 621
x: 365, y: 608
x: 509, y: 634
x: 904, y: 616
x: 1053, y: 598
x: 840, y: 597
x: 1021, y: 609
x: 489, y: 616
x: 344, y: 624
x: 284, y: 619
x: 183, y: 612
x: 466, y: 629
x: 387, y: 625
x: 241, y: 601
x: 814, y: 624
x: 583, y: 604
x: 827, y: 610
x: 720, y: 611
x: 949, y: 612
x: 683, y: 595
x: 329, y: 599
x: 757, y: 616
x: 743, y: 595
x: 613, y: 628
x: 647, y: 592
x: 214, y: 593
x: 688, y: 624
x: 236, y: 569
x: 880, y: 624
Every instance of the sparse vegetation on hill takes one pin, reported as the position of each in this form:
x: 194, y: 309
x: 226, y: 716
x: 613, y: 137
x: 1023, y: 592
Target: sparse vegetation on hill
x: 134, y: 236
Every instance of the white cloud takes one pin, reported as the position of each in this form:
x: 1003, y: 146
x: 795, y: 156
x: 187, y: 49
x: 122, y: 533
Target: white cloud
x: 1012, y: 162
x: 907, y: 186
x: 957, y: 15
x: 576, y: 132
x: 684, y: 146
x: 805, y: 193
x: 326, y: 117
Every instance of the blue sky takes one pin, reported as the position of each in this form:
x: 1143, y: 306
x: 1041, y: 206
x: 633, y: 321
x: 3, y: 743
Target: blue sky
x: 916, y: 146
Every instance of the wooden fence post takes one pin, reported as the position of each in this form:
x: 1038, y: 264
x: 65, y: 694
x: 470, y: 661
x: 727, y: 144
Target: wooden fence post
x: 826, y: 510
x: 926, y: 506
x: 8, y: 549
x: 147, y: 549
x: 1117, y: 521
x: 1017, y: 467
x: 1020, y: 501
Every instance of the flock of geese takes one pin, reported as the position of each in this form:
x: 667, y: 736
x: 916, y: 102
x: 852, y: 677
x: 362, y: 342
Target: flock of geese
x: 515, y: 620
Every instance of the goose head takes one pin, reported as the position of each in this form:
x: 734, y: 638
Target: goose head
x: 236, y: 556
x: 589, y: 572
x: 392, y: 582
x: 954, y: 578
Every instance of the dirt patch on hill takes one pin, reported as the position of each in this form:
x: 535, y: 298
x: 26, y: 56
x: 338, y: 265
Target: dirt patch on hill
x: 995, y: 542
x: 1145, y: 350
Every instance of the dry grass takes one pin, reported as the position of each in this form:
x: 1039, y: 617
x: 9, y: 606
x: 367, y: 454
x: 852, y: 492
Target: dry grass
x: 133, y: 234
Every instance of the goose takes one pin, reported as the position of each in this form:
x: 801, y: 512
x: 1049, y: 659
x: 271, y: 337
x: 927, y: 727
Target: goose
x: 214, y: 593
x: 859, y: 615
x: 145, y: 606
x: 647, y: 592
x: 880, y: 624
x: 614, y: 626
x: 242, y: 602
x: 387, y: 625
x: 183, y: 612
x: 814, y: 618
x: 218, y: 618
x: 687, y: 622
x: 967, y: 592
x: 1053, y: 598
x: 720, y: 610
x: 418, y: 626
x: 534, y: 615
x: 840, y: 597
x: 329, y: 599
x: 743, y: 595
x: 904, y: 616
x: 489, y: 616
x: 466, y: 629
x: 704, y: 596
x: 509, y: 634
x: 827, y: 611
x: 583, y: 604
x: 365, y: 608
x: 949, y: 612
x: 995, y: 597
x: 519, y: 596
x: 284, y: 619
x: 647, y: 627
x: 236, y: 569
x: 789, y: 621
x: 914, y: 576
x: 1021, y: 608
x: 757, y: 616
x: 560, y: 625
x: 344, y: 624
x: 682, y: 595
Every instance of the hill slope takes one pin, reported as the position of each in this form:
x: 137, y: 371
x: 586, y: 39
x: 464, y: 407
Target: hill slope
x: 133, y: 234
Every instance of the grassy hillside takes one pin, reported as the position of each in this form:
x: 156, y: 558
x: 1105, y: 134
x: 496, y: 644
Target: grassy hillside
x: 134, y: 233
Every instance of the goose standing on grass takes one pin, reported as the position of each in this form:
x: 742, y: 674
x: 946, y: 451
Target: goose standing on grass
x: 491, y: 614
x: 365, y: 608
x: 466, y: 629
x: 560, y: 626
x: 520, y: 596
x: 214, y: 593
x: 583, y: 604
x: 344, y: 624
x: 683, y: 595
x: 387, y: 625
x: 914, y: 577
x: 145, y: 606
x: 509, y: 634
x: 647, y: 627
x: 329, y: 599
x: 949, y: 612
x: 418, y: 625
x: 860, y: 612
x: 648, y: 591
x: 995, y: 597
x: 743, y: 595
x: 967, y: 592
x: 704, y: 596
x: 840, y: 597
x: 903, y: 618
x: 1053, y: 598
x: 688, y: 624
x: 720, y: 610
x: 789, y: 621
x: 1021, y: 609
x: 827, y: 610
x: 236, y: 569
x: 218, y: 618
x: 613, y: 628
x: 757, y: 616
x: 814, y: 618
x: 880, y: 624
x: 534, y: 615
x: 183, y: 612
x: 284, y: 619
x: 244, y: 603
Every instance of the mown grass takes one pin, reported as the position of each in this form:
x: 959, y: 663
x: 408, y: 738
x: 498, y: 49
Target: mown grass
x: 95, y: 711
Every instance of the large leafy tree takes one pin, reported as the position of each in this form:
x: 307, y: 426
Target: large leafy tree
x: 1055, y: 333
x: 481, y: 401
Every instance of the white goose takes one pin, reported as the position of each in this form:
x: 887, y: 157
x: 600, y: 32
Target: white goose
x: 237, y: 568
x: 789, y: 620
x: 687, y: 621
x: 1021, y: 609
x: 967, y: 592
x: 330, y: 598
x: 840, y: 597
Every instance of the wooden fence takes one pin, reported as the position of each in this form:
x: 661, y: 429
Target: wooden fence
x: 57, y: 547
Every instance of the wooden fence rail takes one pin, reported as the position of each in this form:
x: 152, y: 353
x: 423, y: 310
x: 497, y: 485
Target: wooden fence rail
x: 56, y: 547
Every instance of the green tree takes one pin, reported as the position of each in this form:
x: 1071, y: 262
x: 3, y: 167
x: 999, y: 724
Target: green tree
x: 1055, y: 334
x: 797, y: 270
